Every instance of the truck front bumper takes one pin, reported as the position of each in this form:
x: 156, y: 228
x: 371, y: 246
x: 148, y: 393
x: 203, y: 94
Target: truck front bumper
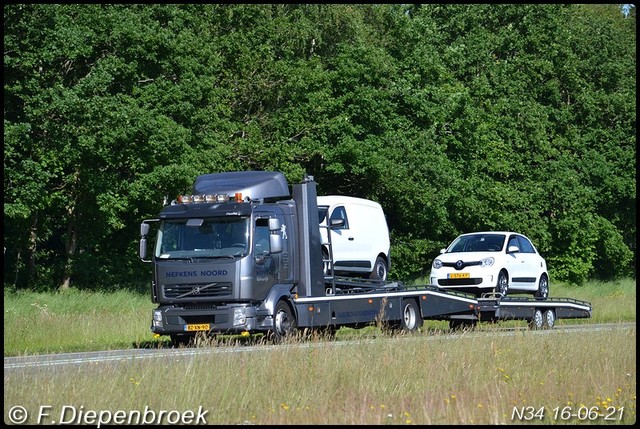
x: 168, y: 320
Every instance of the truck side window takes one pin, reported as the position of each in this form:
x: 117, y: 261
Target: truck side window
x: 262, y: 236
x: 340, y: 213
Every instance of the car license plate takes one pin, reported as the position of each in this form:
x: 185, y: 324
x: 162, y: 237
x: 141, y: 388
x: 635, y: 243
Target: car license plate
x: 197, y: 327
x: 458, y: 275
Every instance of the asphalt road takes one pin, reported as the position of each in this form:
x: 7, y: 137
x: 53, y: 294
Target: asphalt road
x: 86, y: 358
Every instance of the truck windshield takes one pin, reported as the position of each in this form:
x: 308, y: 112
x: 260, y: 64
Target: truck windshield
x: 203, y: 238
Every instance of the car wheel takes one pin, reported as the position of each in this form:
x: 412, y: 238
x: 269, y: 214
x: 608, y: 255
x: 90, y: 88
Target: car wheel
x: 543, y: 288
x: 379, y: 270
x: 549, y: 319
x: 503, y: 284
x: 538, y: 320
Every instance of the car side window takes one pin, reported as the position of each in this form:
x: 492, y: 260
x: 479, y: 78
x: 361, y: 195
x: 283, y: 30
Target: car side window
x: 340, y: 213
x: 525, y: 245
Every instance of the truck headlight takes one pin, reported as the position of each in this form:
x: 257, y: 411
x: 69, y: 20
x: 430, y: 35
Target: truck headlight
x: 239, y: 316
x: 157, y: 318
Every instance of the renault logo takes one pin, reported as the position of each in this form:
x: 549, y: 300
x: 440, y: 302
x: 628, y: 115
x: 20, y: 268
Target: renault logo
x: 459, y: 265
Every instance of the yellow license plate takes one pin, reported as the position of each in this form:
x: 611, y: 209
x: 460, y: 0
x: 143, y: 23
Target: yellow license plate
x: 198, y: 327
x: 459, y: 275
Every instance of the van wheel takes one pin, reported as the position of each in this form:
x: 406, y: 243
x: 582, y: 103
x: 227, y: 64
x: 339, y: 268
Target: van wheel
x: 379, y: 270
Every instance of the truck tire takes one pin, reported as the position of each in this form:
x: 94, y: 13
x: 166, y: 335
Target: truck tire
x: 549, y: 319
x: 379, y: 269
x: 543, y: 288
x: 284, y: 322
x: 411, y: 317
x: 537, y: 322
x: 502, y: 286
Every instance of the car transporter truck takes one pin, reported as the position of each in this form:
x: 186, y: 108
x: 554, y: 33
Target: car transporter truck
x: 242, y: 255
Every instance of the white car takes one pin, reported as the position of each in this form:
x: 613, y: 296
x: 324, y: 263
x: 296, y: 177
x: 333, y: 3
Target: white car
x: 491, y: 262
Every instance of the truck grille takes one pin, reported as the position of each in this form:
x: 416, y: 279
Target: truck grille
x: 198, y: 290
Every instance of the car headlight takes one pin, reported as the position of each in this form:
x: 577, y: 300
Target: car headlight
x: 437, y: 263
x: 487, y: 262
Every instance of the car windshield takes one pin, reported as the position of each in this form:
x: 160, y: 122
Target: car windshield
x: 208, y: 238
x: 477, y: 243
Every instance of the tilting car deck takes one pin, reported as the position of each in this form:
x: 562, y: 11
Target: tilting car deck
x: 354, y: 303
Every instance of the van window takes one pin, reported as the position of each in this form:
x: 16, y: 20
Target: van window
x: 340, y: 213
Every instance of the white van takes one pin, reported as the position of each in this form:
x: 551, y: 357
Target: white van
x: 359, y: 236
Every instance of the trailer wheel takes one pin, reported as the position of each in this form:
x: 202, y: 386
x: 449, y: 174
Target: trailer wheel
x: 503, y: 284
x: 284, y: 321
x: 537, y: 321
x: 549, y: 319
x: 379, y: 269
x: 411, y: 317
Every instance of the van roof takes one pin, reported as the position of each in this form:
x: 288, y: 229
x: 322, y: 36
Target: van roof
x: 330, y: 200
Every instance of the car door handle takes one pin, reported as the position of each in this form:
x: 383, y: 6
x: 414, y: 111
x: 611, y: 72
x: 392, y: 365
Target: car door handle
x: 350, y: 238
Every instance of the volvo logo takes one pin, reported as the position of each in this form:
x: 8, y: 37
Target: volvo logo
x: 196, y: 290
x: 459, y: 265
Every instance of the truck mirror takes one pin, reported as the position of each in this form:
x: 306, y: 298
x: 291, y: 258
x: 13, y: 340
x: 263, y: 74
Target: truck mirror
x: 274, y: 224
x: 275, y: 242
x: 143, y: 244
x: 144, y: 229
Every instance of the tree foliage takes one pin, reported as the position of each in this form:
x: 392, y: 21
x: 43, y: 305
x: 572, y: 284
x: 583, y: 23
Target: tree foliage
x: 454, y: 117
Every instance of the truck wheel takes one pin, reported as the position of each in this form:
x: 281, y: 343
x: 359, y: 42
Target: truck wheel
x: 549, y: 319
x: 411, y: 317
x: 379, y: 270
x: 543, y: 288
x: 284, y: 321
x: 503, y: 283
x: 537, y: 321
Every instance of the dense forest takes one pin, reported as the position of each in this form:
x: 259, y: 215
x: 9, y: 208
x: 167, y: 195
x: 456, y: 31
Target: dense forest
x: 456, y: 118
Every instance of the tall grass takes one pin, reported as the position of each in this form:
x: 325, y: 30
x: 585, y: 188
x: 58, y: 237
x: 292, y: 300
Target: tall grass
x: 466, y: 378
x: 84, y: 321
